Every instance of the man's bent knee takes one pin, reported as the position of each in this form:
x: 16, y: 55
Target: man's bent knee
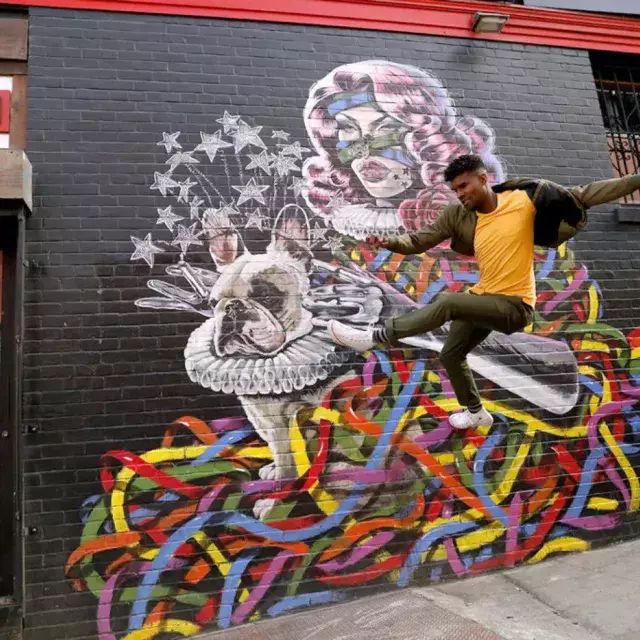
x: 450, y: 305
x: 448, y: 358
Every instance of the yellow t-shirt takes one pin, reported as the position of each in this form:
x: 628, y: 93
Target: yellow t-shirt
x: 504, y: 248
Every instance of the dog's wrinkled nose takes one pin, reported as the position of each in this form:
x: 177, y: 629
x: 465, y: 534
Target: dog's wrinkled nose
x: 234, y: 306
x: 235, y: 313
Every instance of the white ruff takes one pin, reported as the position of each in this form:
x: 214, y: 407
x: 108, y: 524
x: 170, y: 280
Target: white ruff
x: 360, y: 221
x: 302, y: 363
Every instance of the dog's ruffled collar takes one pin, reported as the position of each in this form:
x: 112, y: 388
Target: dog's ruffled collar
x: 301, y: 364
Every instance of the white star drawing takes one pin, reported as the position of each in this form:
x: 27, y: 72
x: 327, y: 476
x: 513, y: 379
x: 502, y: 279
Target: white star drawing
x: 251, y: 191
x: 333, y: 244
x: 194, y: 208
x: 284, y: 164
x: 170, y: 141
x: 163, y: 182
x: 211, y: 144
x: 318, y: 234
x: 145, y: 249
x: 298, y: 186
x: 228, y: 122
x: 181, y: 157
x: 185, y: 187
x: 167, y: 217
x: 294, y: 149
x: 256, y: 219
x: 246, y: 135
x: 186, y: 237
x: 280, y: 135
x: 259, y: 161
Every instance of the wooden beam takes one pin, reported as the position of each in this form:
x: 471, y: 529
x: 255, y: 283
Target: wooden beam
x: 13, y: 68
x: 18, y: 123
x: 14, y: 33
x: 15, y: 176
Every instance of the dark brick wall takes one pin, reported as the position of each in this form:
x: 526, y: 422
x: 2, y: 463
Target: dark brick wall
x: 102, y: 374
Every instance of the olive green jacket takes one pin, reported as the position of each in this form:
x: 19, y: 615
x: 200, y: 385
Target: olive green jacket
x: 560, y: 213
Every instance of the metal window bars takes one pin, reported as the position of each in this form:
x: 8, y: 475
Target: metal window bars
x: 617, y: 80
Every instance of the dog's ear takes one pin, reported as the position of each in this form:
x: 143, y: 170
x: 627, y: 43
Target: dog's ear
x: 291, y: 233
x: 225, y: 243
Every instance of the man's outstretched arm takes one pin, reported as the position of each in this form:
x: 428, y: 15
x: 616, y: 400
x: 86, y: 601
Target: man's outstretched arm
x: 603, y: 191
x: 427, y: 238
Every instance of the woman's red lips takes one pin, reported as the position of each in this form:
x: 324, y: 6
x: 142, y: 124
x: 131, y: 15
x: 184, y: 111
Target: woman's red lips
x: 374, y: 171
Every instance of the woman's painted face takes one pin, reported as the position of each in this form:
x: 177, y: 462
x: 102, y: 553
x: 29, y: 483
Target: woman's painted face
x: 381, y: 176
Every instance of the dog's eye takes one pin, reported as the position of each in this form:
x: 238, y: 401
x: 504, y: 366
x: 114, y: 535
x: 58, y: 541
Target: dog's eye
x: 267, y: 294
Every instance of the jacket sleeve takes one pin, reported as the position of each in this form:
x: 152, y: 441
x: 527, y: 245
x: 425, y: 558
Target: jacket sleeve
x: 596, y: 193
x: 427, y: 238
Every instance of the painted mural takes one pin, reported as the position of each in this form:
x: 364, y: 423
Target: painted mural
x: 341, y: 470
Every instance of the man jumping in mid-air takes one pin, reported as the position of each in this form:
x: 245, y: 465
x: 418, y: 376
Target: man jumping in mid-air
x: 498, y: 225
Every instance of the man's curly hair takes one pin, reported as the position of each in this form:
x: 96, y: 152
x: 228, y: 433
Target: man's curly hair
x: 461, y: 165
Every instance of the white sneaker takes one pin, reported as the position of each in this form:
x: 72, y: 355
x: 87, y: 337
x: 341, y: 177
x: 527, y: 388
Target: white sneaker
x: 468, y: 420
x: 358, y: 339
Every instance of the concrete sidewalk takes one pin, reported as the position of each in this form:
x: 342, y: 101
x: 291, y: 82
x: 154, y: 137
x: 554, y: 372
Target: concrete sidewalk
x: 586, y: 596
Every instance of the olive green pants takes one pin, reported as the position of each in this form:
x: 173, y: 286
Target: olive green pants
x: 473, y: 317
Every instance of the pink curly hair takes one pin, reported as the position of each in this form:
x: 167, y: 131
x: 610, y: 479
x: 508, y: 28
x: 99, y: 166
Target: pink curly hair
x: 437, y: 135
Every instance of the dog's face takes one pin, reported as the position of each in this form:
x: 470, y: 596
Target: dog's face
x: 260, y: 340
x: 258, y: 298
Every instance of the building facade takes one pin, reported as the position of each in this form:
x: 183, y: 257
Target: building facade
x: 192, y: 451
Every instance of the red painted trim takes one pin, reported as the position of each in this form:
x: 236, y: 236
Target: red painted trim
x: 527, y: 25
x: 5, y: 110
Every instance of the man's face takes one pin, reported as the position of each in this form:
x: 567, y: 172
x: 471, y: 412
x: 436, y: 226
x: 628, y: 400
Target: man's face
x: 471, y: 188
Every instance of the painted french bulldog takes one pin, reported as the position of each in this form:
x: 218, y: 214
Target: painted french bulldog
x: 261, y: 343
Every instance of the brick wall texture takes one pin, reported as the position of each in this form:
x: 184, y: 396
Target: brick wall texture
x: 187, y: 481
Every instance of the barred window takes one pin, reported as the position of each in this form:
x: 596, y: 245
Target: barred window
x: 617, y: 78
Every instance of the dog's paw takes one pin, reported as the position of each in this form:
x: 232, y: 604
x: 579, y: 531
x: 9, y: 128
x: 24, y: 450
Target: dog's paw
x: 263, y: 508
x: 269, y: 472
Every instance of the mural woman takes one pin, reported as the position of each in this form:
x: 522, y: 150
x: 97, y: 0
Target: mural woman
x: 384, y: 133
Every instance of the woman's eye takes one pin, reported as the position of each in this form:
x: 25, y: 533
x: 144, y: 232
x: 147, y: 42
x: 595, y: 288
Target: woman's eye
x: 346, y: 130
x: 389, y: 127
